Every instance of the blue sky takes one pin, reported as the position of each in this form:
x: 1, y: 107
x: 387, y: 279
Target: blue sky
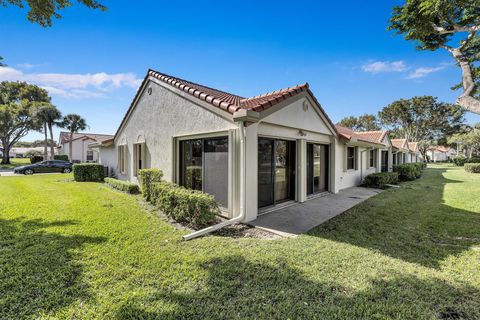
x: 92, y: 61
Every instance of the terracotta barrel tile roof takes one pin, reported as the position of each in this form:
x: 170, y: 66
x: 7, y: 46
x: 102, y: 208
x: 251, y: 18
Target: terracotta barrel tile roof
x: 365, y: 136
x: 227, y: 101
x: 65, y: 136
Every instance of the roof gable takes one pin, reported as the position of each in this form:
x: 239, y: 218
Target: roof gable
x: 224, y: 101
x: 377, y: 137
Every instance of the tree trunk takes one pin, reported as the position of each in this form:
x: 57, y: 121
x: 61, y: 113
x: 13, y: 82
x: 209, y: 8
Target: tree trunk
x: 5, y: 153
x: 70, y: 147
x: 45, y: 147
x: 467, y: 99
x: 52, y: 147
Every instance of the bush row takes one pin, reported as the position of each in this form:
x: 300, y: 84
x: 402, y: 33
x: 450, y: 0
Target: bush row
x: 381, y: 179
x: 147, y: 178
x: 121, y: 185
x: 472, y: 167
x: 35, y: 159
x: 460, y: 161
x: 409, y: 171
x: 183, y: 205
x: 88, y: 172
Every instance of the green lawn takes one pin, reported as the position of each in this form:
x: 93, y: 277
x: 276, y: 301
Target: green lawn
x: 84, y: 251
x: 15, y: 162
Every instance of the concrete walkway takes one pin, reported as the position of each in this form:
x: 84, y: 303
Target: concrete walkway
x: 299, y: 218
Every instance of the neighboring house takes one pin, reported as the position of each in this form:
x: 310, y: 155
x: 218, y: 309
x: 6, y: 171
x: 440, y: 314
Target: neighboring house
x: 365, y: 153
x: 414, y: 153
x: 253, y: 155
x: 400, y: 151
x: 81, y: 152
x: 440, y: 153
x: 20, y: 152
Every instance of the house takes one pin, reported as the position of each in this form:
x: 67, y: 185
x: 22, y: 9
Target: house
x: 400, y: 151
x: 366, y: 152
x: 80, y: 145
x: 254, y: 155
x: 440, y: 153
x: 414, y: 152
x: 23, y: 152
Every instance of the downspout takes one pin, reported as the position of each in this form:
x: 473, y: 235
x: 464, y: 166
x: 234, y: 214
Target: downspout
x: 241, y: 216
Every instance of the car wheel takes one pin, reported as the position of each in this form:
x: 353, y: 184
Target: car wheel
x: 28, y: 172
x: 67, y: 170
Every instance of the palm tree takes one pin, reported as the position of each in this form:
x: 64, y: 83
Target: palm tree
x: 73, y: 123
x: 48, y: 115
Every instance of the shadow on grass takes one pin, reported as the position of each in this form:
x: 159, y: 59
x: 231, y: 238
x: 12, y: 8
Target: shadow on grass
x: 235, y: 288
x: 39, y: 272
x: 411, y: 223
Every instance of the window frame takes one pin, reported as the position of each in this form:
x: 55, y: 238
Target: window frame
x: 122, y: 165
x: 372, y: 160
x: 353, y: 158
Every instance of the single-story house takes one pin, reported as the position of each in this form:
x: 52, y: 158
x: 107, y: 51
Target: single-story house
x: 254, y: 155
x: 414, y: 153
x: 81, y: 152
x: 22, y: 152
x: 440, y: 153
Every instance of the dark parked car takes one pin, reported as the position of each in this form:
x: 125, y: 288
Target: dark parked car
x: 45, y: 167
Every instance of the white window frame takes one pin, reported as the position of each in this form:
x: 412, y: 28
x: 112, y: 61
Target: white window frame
x: 355, y: 158
x: 139, y: 157
x: 372, y: 156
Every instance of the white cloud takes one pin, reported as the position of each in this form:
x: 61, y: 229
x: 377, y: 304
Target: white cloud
x: 384, y: 66
x: 25, y: 65
x: 423, y: 72
x: 70, y: 85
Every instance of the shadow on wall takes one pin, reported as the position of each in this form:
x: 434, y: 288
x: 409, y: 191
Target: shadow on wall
x: 416, y: 226
x: 237, y: 289
x: 38, y: 270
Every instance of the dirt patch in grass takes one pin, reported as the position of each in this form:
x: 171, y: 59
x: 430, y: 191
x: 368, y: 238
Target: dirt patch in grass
x: 244, y: 231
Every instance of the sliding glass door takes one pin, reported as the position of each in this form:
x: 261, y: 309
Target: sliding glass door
x: 204, y: 166
x: 317, y: 168
x: 276, y: 171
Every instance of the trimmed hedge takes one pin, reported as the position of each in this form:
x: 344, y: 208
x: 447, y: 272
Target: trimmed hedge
x: 146, y: 178
x: 62, y: 157
x: 121, y: 185
x: 36, y: 159
x: 381, y: 179
x: 472, y: 167
x: 460, y: 161
x: 183, y: 205
x: 88, y: 172
x: 409, y: 171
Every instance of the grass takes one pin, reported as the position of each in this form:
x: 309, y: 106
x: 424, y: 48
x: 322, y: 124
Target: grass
x: 85, y: 251
x: 15, y: 162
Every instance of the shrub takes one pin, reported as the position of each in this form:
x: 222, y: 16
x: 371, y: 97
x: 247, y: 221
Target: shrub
x: 36, y: 159
x: 462, y: 160
x: 193, y: 177
x: 409, y: 171
x: 62, y: 157
x: 184, y: 205
x: 88, y: 172
x: 472, y: 167
x: 380, y: 179
x: 121, y: 185
x: 146, y: 178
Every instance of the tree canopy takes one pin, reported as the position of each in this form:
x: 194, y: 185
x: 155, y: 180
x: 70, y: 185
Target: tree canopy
x: 435, y: 24
x: 366, y: 122
x: 42, y: 12
x: 17, y: 101
x: 422, y: 119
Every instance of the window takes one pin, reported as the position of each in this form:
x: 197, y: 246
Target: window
x: 351, y: 158
x: 89, y: 155
x: 138, y: 157
x: 373, y: 158
x: 122, y: 157
x: 204, y: 166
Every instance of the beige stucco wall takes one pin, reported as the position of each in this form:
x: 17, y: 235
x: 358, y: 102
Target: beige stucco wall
x: 158, y: 118
x: 79, y: 150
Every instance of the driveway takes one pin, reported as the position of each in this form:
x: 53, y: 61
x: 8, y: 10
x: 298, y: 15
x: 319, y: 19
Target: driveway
x: 299, y: 218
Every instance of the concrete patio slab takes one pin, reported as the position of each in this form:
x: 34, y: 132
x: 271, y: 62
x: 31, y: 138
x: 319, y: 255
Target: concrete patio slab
x: 299, y: 218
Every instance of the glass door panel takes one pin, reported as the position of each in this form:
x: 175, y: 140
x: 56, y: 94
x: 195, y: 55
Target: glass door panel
x: 215, y: 163
x: 265, y: 172
x: 317, y: 168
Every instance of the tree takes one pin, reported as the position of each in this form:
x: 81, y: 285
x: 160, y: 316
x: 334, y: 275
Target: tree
x: 366, y: 122
x: 17, y: 101
x: 422, y: 119
x: 42, y: 12
x: 49, y: 116
x: 1, y: 63
x: 73, y: 123
x: 469, y: 142
x: 434, y: 24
